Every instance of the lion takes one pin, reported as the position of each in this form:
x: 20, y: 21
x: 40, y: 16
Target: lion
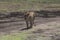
x: 29, y: 17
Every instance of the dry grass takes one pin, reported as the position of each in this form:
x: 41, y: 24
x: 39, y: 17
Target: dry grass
x: 8, y: 7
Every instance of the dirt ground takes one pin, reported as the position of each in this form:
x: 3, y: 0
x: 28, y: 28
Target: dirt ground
x: 49, y: 28
x: 9, y: 25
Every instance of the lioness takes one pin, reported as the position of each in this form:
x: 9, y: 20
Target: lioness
x: 29, y: 18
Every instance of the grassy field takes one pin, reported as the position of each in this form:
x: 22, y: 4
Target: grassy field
x: 33, y: 1
x: 13, y: 37
x: 19, y: 5
x: 17, y: 36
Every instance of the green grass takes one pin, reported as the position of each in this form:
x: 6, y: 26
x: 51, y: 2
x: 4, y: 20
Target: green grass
x: 36, y: 1
x: 19, y: 5
x: 27, y: 35
x: 20, y: 36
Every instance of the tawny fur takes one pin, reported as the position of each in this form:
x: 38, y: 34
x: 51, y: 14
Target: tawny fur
x: 29, y: 18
